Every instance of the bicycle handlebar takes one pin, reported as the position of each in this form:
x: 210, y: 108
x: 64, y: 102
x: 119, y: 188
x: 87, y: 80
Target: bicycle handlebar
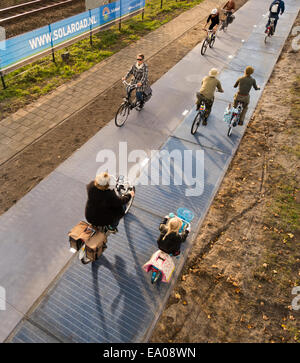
x: 129, y: 84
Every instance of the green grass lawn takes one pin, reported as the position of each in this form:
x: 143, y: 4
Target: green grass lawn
x: 30, y: 82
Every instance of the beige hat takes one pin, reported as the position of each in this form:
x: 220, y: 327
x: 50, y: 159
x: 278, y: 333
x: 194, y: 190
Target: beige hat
x: 213, y: 72
x: 102, y: 180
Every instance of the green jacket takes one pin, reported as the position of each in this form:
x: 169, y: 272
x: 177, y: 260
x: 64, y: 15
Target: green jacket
x: 245, y: 84
x: 208, y: 87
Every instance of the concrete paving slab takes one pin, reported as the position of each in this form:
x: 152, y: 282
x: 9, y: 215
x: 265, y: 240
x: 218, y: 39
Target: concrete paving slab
x: 161, y: 199
x: 9, y: 318
x: 38, y: 251
x: 30, y: 333
x: 83, y: 165
x: 263, y: 65
x: 257, y: 44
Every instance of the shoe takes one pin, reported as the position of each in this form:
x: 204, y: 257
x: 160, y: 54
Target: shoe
x: 204, y: 123
x: 112, y: 229
x: 138, y: 108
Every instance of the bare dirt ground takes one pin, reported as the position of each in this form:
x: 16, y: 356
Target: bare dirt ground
x: 237, y: 283
x: 228, y: 290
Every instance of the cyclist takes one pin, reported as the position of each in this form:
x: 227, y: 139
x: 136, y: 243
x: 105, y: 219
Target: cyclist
x: 214, y: 19
x: 140, y: 73
x: 208, y: 87
x: 229, y: 9
x: 276, y: 7
x: 104, y: 207
x: 245, y: 84
x: 170, y: 239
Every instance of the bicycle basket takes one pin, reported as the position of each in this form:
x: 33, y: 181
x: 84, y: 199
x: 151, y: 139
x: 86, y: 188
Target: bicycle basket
x: 228, y: 115
x: 185, y: 214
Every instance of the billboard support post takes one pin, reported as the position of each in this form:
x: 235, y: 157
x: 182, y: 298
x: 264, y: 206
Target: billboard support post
x: 53, y: 55
x: 2, y: 80
x: 120, y: 15
x: 91, y: 26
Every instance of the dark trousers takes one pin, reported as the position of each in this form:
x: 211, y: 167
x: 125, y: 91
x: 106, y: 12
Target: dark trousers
x: 116, y: 221
x: 208, y: 103
x: 275, y: 23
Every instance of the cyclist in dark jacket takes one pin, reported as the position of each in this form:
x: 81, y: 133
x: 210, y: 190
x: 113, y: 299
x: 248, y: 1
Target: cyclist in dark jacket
x: 276, y: 7
x: 170, y: 239
x: 214, y: 19
x: 104, y: 207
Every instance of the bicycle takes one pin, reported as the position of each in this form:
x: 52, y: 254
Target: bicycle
x: 91, y: 241
x: 225, y: 22
x: 235, y: 117
x: 208, y: 41
x: 161, y: 264
x: 270, y: 29
x: 127, y: 105
x: 200, y: 116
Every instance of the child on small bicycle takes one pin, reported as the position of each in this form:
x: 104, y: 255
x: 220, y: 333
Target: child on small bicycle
x: 170, y: 239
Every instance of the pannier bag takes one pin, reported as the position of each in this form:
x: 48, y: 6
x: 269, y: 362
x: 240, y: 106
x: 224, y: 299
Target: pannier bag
x: 231, y: 18
x: 147, y: 94
x: 95, y: 245
x: 80, y: 234
x: 228, y: 114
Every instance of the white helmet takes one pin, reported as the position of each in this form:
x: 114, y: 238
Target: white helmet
x: 214, y: 11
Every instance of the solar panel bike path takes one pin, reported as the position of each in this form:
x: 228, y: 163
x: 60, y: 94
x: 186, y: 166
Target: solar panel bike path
x: 54, y: 298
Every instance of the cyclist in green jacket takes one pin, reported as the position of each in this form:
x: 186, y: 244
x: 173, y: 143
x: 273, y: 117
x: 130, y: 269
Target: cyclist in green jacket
x: 245, y: 84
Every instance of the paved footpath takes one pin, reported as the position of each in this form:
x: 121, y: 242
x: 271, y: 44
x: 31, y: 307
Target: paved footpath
x: 28, y: 124
x: 51, y: 296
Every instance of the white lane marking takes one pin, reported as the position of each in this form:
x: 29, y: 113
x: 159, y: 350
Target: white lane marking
x: 230, y: 56
x: 185, y: 112
x: 144, y: 162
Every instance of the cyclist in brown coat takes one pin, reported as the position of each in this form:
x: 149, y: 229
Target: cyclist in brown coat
x: 208, y: 87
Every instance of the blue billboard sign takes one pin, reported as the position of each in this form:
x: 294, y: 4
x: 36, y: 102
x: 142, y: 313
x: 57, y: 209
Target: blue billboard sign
x: 29, y: 44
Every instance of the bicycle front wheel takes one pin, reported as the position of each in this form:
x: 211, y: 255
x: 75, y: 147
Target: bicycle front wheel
x: 196, y: 123
x: 128, y: 206
x: 204, y: 46
x: 212, y: 41
x: 122, y: 114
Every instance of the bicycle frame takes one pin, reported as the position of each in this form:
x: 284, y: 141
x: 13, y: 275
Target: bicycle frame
x: 270, y: 27
x: 237, y: 114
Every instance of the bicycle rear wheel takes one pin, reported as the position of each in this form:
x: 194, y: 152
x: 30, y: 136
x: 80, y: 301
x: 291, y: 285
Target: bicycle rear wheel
x: 204, y: 46
x: 122, y: 114
x: 229, y: 132
x: 196, y: 123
